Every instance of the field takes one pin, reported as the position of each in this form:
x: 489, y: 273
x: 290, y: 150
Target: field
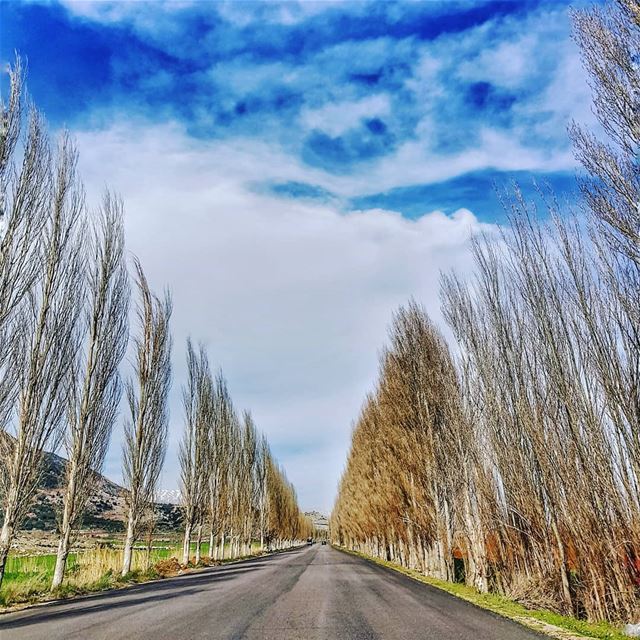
x: 28, y: 577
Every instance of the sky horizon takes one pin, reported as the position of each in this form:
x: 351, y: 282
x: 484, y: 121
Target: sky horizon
x: 295, y: 171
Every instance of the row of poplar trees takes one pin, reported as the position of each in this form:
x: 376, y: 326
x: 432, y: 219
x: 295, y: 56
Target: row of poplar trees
x: 232, y: 490
x: 64, y: 330
x: 514, y: 464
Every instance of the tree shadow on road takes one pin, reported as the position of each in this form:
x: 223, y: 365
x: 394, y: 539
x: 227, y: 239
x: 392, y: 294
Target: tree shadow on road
x: 137, y: 595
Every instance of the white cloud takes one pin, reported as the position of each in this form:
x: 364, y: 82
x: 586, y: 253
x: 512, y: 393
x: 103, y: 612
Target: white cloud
x: 141, y: 13
x: 286, y: 13
x: 414, y: 163
x: 292, y: 299
x: 508, y: 64
x: 567, y: 96
x: 528, y: 56
x: 337, y: 117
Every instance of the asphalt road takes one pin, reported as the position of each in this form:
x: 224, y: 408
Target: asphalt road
x: 311, y: 593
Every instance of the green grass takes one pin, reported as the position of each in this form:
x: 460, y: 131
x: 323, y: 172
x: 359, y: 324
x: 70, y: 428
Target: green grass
x: 508, y: 608
x: 28, y: 578
x: 24, y: 568
x: 19, y: 566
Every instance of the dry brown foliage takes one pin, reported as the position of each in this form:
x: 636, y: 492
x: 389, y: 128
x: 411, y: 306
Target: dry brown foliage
x: 522, y: 459
x: 168, y: 567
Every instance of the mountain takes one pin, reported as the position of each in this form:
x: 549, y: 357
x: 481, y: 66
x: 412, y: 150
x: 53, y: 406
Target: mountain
x: 319, y: 520
x: 169, y: 496
x: 106, y: 509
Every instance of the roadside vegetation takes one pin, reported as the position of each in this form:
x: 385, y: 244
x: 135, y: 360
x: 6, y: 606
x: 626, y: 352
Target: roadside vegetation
x: 512, y: 463
x: 28, y: 578
x: 232, y: 489
x: 548, y: 622
x: 65, y: 293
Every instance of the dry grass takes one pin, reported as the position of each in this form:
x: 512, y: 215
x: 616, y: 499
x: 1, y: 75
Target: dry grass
x: 547, y: 622
x: 29, y: 577
x: 98, y: 569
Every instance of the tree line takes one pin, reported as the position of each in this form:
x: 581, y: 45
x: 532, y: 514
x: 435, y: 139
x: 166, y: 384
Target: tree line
x: 512, y: 461
x: 233, y: 490
x: 65, y: 297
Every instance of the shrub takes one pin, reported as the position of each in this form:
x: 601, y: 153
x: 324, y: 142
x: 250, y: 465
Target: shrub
x: 168, y: 567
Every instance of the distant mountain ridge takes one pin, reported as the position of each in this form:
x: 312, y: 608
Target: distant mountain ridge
x: 169, y: 496
x: 107, y: 505
x: 319, y: 520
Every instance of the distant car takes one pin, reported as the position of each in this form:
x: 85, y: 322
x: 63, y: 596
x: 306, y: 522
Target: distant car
x: 309, y: 541
x: 324, y: 542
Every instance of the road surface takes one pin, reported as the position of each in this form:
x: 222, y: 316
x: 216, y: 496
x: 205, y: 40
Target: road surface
x: 312, y: 593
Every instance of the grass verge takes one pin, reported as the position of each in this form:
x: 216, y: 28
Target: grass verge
x: 92, y: 571
x: 551, y: 624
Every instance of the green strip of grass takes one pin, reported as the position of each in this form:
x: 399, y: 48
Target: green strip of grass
x: 29, y: 579
x: 40, y: 568
x: 507, y: 608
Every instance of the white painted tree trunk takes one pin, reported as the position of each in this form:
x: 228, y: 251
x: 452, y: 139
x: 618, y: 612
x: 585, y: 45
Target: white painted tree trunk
x: 5, y: 544
x: 199, y: 544
x: 128, y: 545
x: 477, y: 553
x: 61, y: 558
x: 65, y: 532
x: 186, y: 544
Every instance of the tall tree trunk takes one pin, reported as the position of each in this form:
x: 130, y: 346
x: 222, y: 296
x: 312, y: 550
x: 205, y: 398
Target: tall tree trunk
x: 213, y: 548
x: 566, y: 591
x: 128, y: 544
x: 61, y: 558
x: 198, y: 543
x: 65, y: 531
x: 8, y: 529
x: 5, y: 544
x: 186, y: 544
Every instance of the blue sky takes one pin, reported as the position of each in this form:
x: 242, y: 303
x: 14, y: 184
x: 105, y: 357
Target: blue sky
x: 327, y: 159
x: 342, y: 87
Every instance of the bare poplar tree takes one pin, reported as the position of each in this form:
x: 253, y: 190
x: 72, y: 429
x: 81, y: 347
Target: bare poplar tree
x: 195, y: 454
x: 96, y: 387
x: 205, y: 457
x: 222, y: 444
x: 286, y: 523
x: 146, y: 429
x: 25, y: 199
x: 262, y: 467
x: 247, y: 486
x: 532, y: 476
x: 609, y: 41
x: 248, y: 494
x: 46, y: 339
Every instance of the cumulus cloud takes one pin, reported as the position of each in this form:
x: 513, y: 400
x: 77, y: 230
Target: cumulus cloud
x: 434, y: 76
x: 259, y: 165
x: 291, y: 298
